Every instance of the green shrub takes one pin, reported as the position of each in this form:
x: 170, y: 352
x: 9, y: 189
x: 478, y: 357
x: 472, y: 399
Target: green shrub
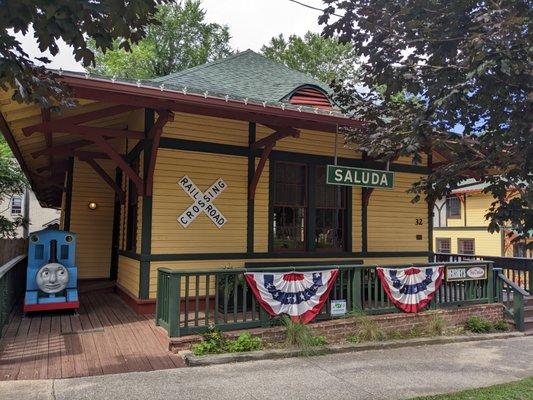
x: 318, y: 341
x: 244, y: 342
x: 300, y: 336
x: 501, y: 326
x: 214, y: 342
x: 478, y: 325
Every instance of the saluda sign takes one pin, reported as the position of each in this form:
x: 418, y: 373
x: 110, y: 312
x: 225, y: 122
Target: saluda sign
x: 349, y: 176
x: 203, y: 202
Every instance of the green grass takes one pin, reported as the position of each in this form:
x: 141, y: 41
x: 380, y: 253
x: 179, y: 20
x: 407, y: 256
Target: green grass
x: 519, y: 390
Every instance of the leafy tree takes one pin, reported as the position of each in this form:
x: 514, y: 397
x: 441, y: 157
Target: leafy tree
x: 179, y: 39
x: 323, y: 58
x: 443, y: 67
x: 12, y: 182
x: 73, y: 21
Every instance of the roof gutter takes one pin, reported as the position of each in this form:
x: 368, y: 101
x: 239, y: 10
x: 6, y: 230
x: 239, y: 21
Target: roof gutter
x: 204, y: 101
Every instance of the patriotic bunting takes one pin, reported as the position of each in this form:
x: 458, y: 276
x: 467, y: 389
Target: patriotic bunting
x: 300, y: 295
x: 411, y: 289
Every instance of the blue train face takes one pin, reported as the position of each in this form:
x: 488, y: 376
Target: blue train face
x: 52, y: 278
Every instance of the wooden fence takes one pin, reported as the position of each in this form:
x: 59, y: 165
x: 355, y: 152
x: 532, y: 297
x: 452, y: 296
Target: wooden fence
x: 11, y: 248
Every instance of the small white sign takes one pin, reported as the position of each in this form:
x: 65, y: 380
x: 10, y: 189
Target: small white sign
x: 338, y: 308
x: 203, y: 202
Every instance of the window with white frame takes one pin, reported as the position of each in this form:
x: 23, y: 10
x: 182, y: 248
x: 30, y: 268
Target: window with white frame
x: 16, y: 205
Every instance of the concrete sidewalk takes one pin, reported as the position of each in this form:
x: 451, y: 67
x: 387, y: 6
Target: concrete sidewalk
x: 378, y: 374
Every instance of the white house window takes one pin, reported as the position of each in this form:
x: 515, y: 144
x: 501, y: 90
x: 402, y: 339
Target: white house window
x: 16, y: 205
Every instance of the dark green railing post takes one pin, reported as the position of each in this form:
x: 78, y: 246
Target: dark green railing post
x: 174, y: 300
x: 264, y: 317
x: 357, y: 289
x: 518, y: 310
x: 490, y: 283
x: 159, y: 298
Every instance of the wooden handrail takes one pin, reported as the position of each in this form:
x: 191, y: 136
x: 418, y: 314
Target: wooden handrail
x: 512, y: 284
x: 4, y: 269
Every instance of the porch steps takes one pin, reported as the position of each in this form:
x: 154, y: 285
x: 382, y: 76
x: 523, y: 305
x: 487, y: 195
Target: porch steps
x: 528, y: 315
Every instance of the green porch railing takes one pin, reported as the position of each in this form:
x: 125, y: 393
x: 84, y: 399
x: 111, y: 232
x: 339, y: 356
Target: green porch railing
x: 512, y: 297
x: 12, y: 284
x: 519, y: 270
x: 188, y: 301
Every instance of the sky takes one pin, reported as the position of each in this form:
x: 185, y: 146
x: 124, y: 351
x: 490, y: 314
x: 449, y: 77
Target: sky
x: 252, y: 23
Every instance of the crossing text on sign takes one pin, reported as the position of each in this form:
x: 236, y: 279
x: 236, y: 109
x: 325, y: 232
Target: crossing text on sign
x: 203, y: 202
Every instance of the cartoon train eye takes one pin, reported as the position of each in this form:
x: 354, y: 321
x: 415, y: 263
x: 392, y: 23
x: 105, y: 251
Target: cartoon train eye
x: 61, y: 272
x: 45, y: 273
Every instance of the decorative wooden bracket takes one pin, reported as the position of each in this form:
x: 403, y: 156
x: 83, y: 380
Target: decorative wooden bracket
x: 367, y: 192
x: 119, y: 162
x: 100, y: 171
x: 155, y: 135
x: 60, y: 123
x: 268, y: 144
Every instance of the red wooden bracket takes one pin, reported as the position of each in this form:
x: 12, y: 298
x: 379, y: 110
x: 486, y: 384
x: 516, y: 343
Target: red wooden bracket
x: 56, y: 124
x: 279, y: 134
x: 90, y: 131
x: 259, y: 170
x: 367, y: 192
x: 100, y: 171
x: 120, y: 162
x: 268, y: 142
x: 155, y: 135
x: 61, y: 149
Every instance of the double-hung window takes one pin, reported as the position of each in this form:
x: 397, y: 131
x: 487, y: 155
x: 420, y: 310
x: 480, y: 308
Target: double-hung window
x: 453, y: 207
x: 308, y: 214
x: 466, y: 246
x: 16, y: 205
x: 290, y: 206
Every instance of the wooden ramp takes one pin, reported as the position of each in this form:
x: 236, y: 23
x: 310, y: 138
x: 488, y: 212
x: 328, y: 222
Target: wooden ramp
x: 104, y: 337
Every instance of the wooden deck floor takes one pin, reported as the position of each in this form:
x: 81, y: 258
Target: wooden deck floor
x: 104, y: 337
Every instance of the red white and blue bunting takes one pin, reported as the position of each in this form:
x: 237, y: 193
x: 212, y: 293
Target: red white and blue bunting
x: 411, y: 289
x: 301, y: 295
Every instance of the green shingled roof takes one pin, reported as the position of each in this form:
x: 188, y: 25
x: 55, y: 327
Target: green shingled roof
x: 246, y: 75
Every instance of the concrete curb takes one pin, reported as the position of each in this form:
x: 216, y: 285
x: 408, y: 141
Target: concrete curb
x: 196, y: 361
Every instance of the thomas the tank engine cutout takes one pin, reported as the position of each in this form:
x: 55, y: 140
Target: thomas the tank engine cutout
x: 52, y: 276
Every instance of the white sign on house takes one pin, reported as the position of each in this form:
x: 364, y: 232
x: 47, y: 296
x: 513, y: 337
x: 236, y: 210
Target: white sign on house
x: 203, y: 202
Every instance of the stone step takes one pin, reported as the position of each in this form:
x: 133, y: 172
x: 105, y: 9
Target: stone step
x: 528, y: 324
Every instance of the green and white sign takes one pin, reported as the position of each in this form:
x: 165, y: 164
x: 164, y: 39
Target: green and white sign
x: 349, y: 176
x: 338, y: 308
x: 466, y: 273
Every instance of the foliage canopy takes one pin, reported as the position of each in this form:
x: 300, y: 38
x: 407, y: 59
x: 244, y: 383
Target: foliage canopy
x: 73, y: 21
x: 454, y: 77
x: 179, y: 38
x: 323, y: 58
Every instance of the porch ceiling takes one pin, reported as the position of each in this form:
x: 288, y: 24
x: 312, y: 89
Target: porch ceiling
x: 44, y: 157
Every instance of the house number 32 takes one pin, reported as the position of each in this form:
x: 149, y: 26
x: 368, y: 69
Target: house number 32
x: 419, y: 221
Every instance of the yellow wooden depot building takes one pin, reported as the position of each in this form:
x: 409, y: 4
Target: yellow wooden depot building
x: 131, y: 164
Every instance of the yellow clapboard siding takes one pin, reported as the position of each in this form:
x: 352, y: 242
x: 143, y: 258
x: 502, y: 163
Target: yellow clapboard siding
x: 93, y: 227
x: 128, y: 275
x: 392, y: 218
x: 207, y: 129
x: 485, y: 243
x: 170, y: 200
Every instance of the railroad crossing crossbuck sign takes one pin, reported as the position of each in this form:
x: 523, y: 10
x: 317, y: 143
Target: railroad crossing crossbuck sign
x: 203, y: 202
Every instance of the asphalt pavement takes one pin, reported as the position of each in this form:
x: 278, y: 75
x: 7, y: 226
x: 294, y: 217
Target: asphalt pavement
x: 377, y: 374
